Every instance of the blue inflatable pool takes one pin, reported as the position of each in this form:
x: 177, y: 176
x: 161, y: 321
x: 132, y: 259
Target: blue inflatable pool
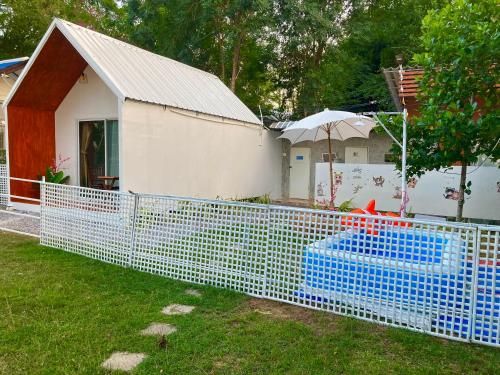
x: 401, y: 274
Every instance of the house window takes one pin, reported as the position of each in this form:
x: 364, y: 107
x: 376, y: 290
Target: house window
x: 98, y: 151
x: 326, y: 157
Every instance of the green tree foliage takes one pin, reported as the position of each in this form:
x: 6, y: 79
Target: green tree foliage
x: 459, y: 119
x: 23, y: 22
x: 376, y: 32
x: 226, y: 38
x: 300, y: 56
x: 291, y: 55
x: 304, y: 31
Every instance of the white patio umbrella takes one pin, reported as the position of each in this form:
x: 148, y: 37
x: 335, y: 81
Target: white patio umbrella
x: 329, y: 125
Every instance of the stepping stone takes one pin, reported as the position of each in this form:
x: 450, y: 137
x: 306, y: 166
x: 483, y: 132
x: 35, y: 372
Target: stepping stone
x: 123, y: 361
x: 158, y: 329
x: 177, y: 309
x: 193, y: 292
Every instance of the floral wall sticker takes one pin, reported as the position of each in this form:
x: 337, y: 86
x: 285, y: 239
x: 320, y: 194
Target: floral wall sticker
x: 357, y: 170
x: 357, y: 173
x: 356, y: 189
x: 320, y: 189
x: 412, y: 182
x: 338, y: 178
x: 379, y: 181
x: 451, y: 193
x: 397, y: 193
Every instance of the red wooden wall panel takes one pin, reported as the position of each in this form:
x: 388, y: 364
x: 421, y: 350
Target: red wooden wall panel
x: 31, y: 147
x: 52, y: 75
x: 31, y: 111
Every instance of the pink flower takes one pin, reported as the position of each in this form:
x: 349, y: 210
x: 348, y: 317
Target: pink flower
x: 58, y: 163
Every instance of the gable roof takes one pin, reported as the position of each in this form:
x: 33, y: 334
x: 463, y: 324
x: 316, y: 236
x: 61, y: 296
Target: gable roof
x: 137, y: 74
x: 405, y: 88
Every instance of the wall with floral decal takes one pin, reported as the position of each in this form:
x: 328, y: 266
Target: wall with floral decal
x: 435, y: 193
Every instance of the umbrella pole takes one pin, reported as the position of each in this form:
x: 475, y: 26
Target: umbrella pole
x: 331, y: 168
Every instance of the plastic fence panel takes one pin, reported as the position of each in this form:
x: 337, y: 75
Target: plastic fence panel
x: 403, y: 273
x: 438, y: 278
x: 211, y: 242
x: 94, y: 223
x: 3, y: 185
x: 486, y: 328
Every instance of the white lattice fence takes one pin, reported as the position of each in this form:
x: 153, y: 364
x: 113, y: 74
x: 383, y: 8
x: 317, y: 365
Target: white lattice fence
x: 403, y: 273
x: 94, y: 223
x: 487, y: 298
x: 419, y: 275
x: 3, y: 185
x: 217, y: 243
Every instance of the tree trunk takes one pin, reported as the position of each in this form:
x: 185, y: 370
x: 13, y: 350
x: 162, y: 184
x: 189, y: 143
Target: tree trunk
x: 318, y: 54
x: 236, y: 63
x: 222, y: 62
x: 461, y: 192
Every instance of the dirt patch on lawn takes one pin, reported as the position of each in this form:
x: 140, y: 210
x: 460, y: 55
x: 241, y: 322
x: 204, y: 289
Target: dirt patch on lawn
x: 317, y: 319
x: 228, y: 362
x: 193, y: 292
x: 158, y: 329
x: 123, y: 361
x: 176, y: 309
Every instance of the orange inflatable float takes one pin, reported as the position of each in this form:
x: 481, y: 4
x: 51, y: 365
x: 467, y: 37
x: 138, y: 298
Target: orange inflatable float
x: 370, y: 224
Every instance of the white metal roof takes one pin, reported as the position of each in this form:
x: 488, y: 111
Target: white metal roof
x: 282, y: 125
x: 137, y: 74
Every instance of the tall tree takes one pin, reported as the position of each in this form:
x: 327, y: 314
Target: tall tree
x: 293, y: 55
x: 304, y: 31
x: 374, y: 33
x: 224, y: 37
x: 332, y: 52
x: 23, y: 22
x: 460, y: 108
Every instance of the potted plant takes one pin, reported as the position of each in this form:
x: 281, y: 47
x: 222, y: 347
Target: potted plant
x: 54, y: 173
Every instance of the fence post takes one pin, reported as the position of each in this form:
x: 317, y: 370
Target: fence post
x: 475, y: 265
x: 133, y: 229
x: 268, y: 244
x: 42, y: 205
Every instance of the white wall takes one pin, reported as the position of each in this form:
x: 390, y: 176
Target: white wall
x: 173, y: 152
x: 427, y: 197
x: 85, y: 101
x: 6, y: 83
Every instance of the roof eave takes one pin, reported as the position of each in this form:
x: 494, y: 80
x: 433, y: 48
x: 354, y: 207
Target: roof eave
x: 255, y: 123
x: 392, y: 87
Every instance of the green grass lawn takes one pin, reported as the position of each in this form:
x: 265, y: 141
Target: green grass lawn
x: 65, y: 314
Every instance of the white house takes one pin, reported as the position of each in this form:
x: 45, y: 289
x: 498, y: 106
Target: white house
x: 155, y: 124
